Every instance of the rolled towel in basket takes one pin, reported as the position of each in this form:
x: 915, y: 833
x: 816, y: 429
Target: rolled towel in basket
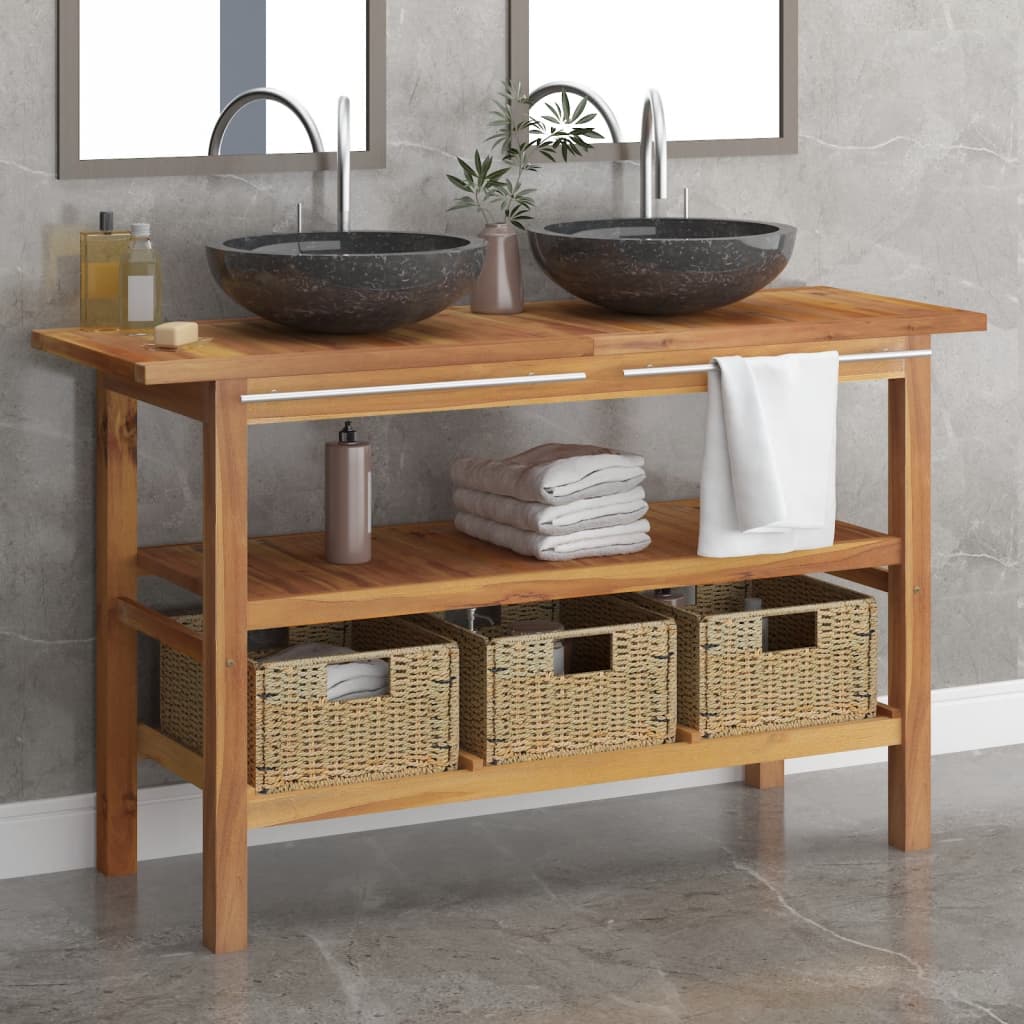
x: 554, y: 520
x: 613, y: 540
x: 351, y: 680
x: 554, y: 474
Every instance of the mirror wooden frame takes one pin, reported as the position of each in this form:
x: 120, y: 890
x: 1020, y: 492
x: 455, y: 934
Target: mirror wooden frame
x: 70, y: 164
x: 787, y: 142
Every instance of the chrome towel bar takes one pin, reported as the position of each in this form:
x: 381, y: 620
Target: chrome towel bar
x: 860, y: 357
x: 432, y: 385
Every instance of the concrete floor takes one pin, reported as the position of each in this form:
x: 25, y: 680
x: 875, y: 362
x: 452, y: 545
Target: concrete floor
x: 716, y: 904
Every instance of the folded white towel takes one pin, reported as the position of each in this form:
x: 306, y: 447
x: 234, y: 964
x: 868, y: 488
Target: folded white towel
x: 554, y: 474
x: 535, y: 516
x: 613, y: 540
x: 769, y: 479
x: 349, y: 680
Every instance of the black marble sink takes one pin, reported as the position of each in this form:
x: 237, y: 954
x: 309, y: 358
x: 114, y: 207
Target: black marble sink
x: 663, y: 266
x: 355, y: 283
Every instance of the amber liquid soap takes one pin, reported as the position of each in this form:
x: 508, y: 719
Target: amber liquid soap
x: 101, y: 255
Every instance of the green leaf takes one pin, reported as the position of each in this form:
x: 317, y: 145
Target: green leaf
x: 566, y: 109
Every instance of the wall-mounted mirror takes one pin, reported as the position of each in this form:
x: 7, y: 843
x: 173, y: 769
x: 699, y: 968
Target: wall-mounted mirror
x: 142, y: 83
x: 726, y: 69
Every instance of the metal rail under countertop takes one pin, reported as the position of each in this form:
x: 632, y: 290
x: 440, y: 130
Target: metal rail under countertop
x: 860, y: 357
x: 533, y: 378
x: 430, y: 385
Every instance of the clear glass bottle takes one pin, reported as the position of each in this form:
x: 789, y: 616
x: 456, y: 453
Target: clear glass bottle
x: 140, y: 283
x: 101, y: 255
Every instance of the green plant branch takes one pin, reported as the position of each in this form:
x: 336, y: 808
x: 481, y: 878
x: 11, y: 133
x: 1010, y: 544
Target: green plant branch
x: 487, y: 185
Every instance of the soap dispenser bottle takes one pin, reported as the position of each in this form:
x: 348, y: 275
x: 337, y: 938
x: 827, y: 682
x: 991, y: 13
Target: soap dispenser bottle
x: 101, y: 254
x: 140, y: 283
x: 348, y: 499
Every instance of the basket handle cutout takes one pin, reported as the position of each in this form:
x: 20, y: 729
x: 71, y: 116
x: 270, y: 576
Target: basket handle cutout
x: 584, y: 655
x: 357, y: 680
x: 791, y: 632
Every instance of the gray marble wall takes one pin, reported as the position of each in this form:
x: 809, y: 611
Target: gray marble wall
x: 906, y: 183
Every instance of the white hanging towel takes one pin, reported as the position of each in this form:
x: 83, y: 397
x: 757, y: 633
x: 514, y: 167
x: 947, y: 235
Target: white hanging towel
x: 769, y: 478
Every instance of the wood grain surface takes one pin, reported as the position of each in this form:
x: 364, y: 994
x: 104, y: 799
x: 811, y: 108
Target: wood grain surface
x: 252, y: 348
x: 430, y: 566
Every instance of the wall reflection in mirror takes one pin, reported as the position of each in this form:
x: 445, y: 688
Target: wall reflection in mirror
x: 725, y: 69
x: 143, y: 82
x: 133, y: 105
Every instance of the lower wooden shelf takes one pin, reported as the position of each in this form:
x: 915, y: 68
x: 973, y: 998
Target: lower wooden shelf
x: 475, y: 781
x: 424, y: 567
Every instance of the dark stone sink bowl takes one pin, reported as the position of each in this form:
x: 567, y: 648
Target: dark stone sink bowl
x: 664, y: 266
x: 359, y: 282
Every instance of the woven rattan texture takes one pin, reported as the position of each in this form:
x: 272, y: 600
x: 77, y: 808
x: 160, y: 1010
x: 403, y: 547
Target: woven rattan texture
x: 298, y: 739
x: 515, y: 708
x: 809, y: 658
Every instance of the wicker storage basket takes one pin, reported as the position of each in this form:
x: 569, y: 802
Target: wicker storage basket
x: 809, y: 658
x: 620, y: 693
x: 298, y: 739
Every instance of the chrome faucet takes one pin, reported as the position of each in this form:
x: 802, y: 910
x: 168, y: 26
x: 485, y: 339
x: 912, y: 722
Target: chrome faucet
x: 243, y: 99
x: 344, y: 141
x: 653, y: 155
x: 578, y: 90
x: 344, y: 165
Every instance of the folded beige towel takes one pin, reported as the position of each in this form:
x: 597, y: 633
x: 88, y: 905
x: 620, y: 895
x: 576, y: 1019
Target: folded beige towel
x: 554, y: 474
x: 613, y: 540
x: 554, y: 520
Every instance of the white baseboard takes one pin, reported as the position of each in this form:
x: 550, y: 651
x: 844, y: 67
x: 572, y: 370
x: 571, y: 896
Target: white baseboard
x: 42, y: 836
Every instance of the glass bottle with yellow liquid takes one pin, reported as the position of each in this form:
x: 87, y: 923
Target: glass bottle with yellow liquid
x: 140, y: 284
x: 101, y: 254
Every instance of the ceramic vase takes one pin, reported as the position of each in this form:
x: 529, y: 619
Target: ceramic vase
x: 499, y: 288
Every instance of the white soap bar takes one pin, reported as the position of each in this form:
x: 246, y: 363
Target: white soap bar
x: 176, y: 333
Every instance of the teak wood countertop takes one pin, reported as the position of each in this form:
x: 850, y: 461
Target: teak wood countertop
x: 251, y: 348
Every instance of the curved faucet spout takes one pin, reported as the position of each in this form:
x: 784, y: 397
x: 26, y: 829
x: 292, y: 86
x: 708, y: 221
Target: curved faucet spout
x: 344, y: 165
x: 592, y: 97
x: 243, y: 99
x: 653, y: 154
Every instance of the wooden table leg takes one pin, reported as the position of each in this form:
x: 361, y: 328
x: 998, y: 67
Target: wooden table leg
x: 767, y: 775
x: 116, y: 667
x: 225, y: 772
x: 910, y: 603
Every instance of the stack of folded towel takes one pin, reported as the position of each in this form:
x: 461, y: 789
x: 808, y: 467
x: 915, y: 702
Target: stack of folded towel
x: 351, y: 680
x: 555, y: 502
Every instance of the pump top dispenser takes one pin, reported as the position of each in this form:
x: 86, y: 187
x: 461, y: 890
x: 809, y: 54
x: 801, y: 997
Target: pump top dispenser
x: 348, y: 499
